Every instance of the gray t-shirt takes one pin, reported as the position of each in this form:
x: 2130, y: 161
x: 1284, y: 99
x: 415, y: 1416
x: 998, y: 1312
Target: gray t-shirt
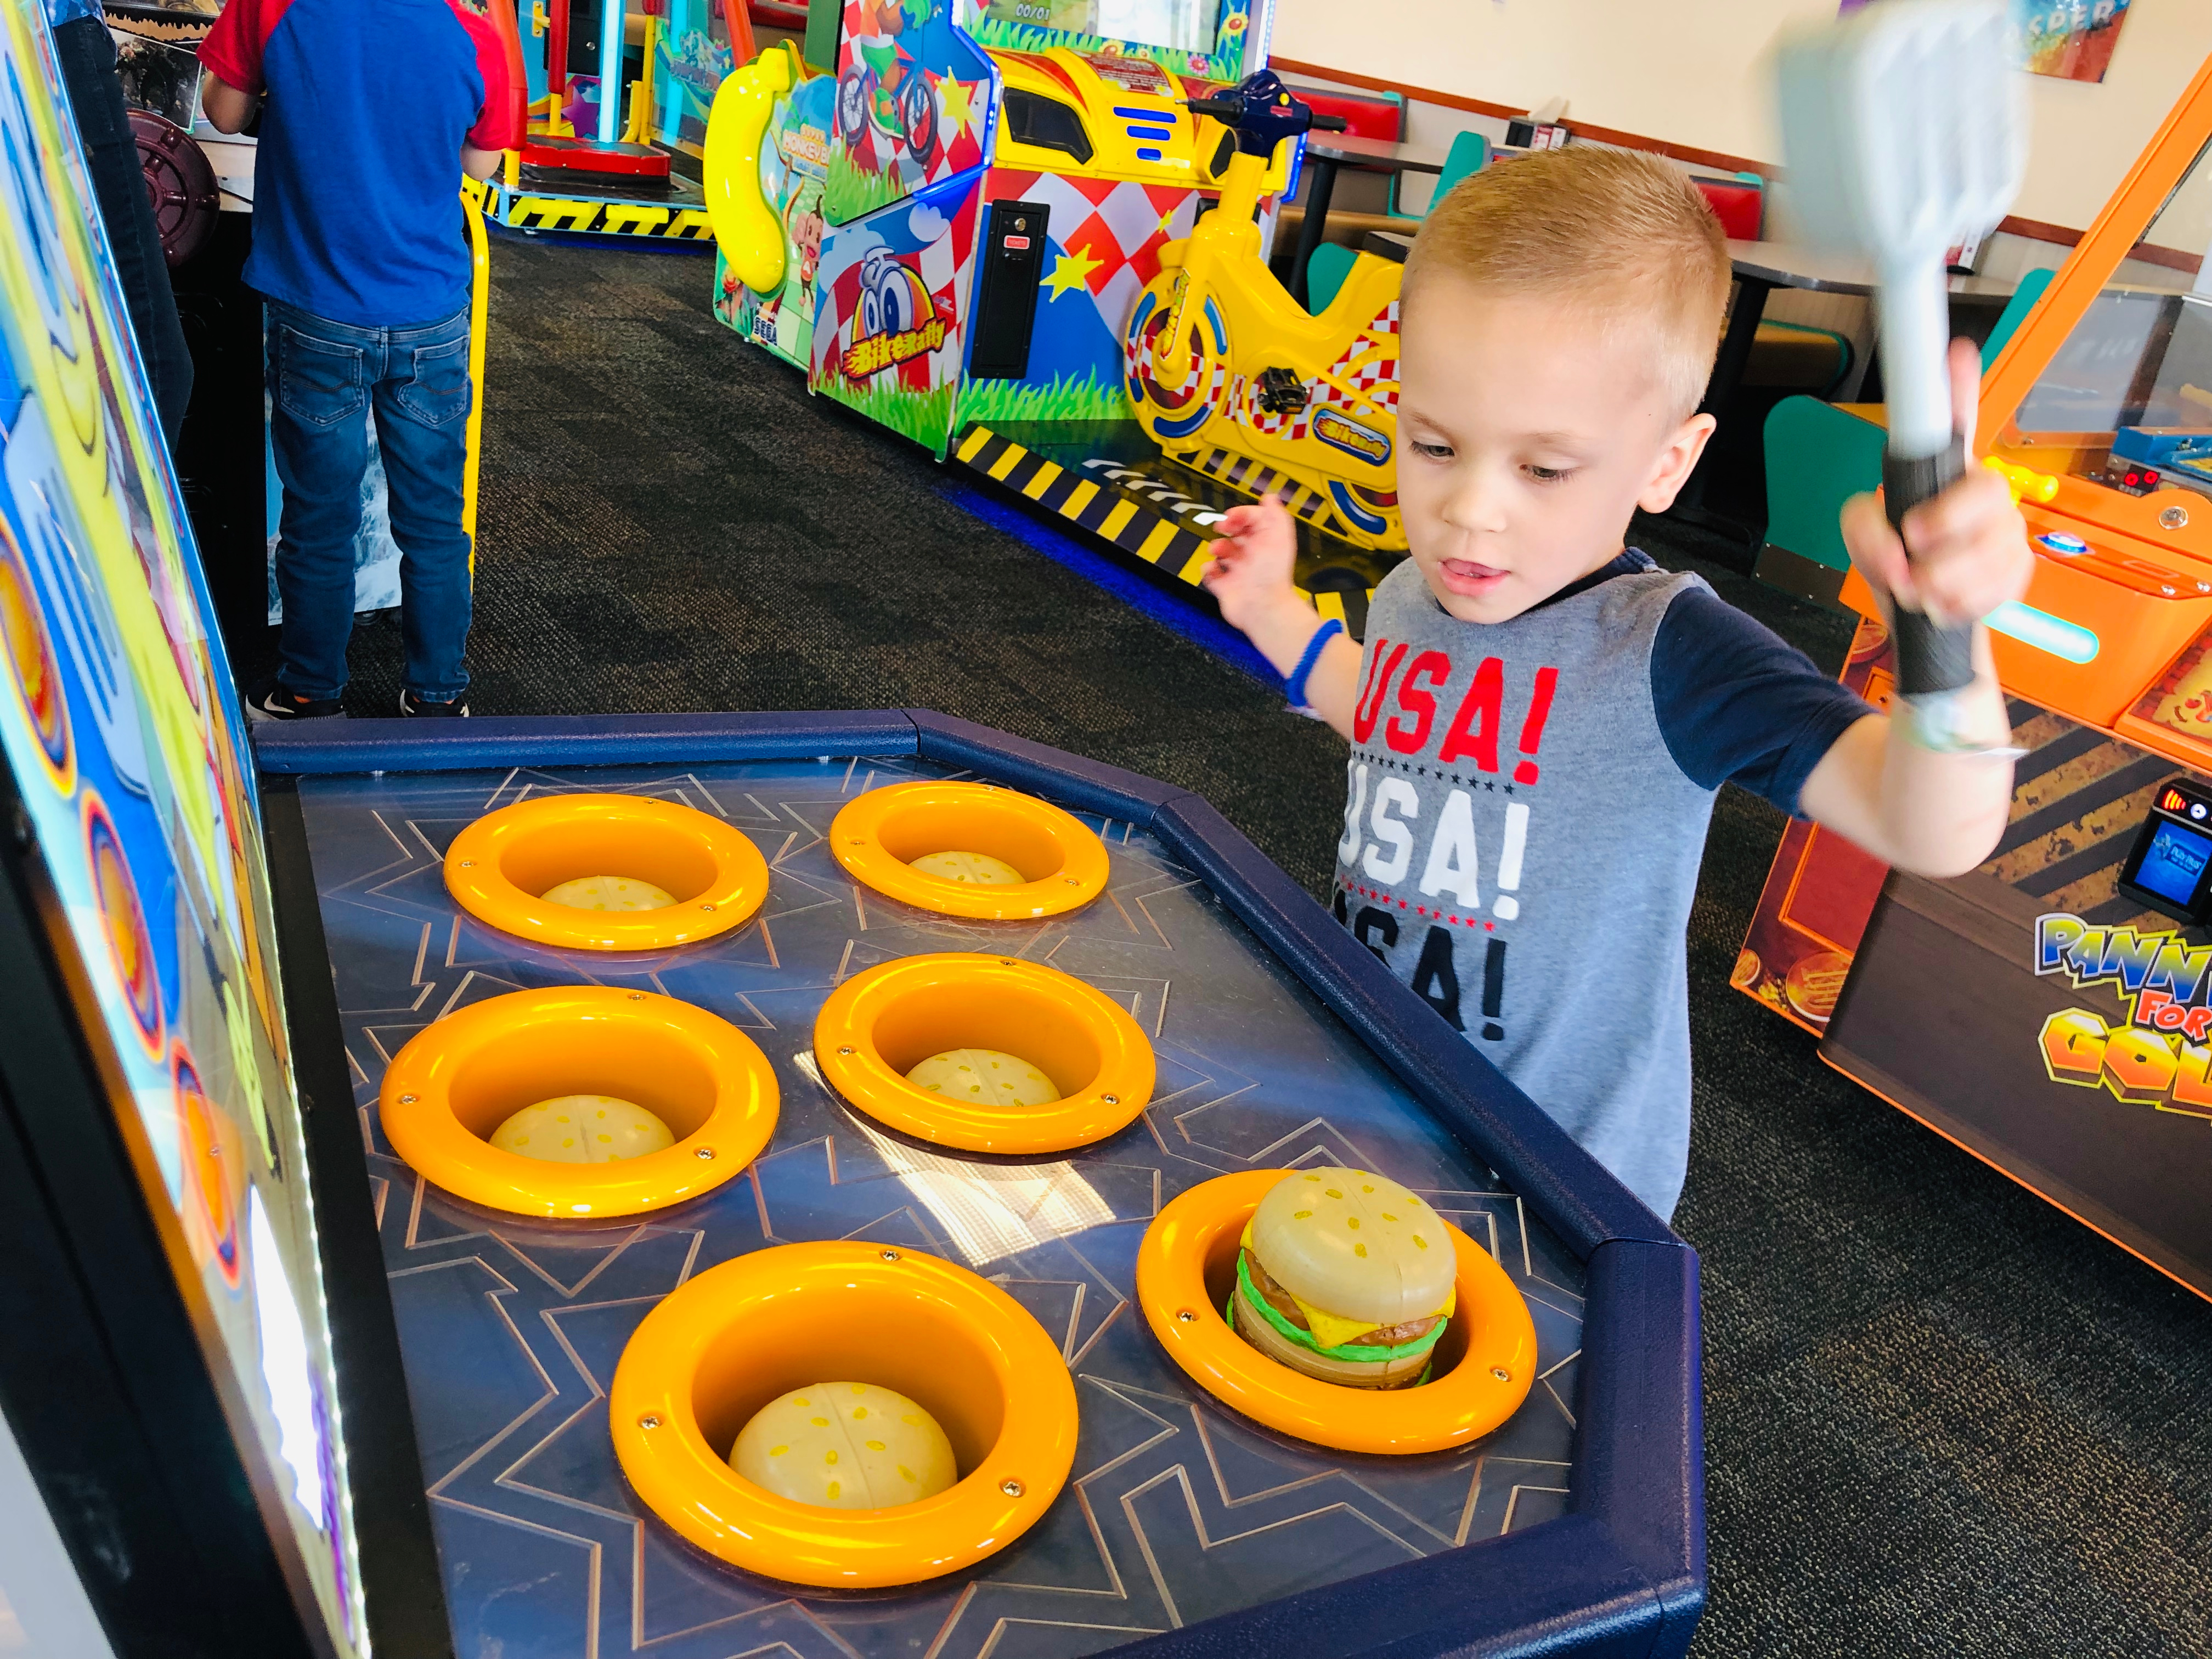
x: 1524, y: 821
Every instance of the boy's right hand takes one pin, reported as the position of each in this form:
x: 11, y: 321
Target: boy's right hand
x: 1250, y: 580
x: 1253, y: 556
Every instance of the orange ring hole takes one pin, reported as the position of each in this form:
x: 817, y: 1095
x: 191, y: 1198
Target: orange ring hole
x: 877, y: 1025
x: 458, y: 1080
x: 499, y: 868
x: 1485, y: 1363
x: 739, y: 1335
x: 877, y: 836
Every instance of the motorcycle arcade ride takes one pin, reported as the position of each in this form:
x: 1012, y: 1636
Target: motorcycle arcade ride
x: 981, y: 293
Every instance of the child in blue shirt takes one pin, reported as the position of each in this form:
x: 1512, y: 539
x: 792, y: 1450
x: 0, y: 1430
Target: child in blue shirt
x: 371, y: 114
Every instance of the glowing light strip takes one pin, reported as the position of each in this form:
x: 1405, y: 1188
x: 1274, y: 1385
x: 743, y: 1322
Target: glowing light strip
x: 2068, y: 641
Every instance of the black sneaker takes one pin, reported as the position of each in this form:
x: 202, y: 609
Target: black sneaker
x: 453, y: 708
x: 271, y: 699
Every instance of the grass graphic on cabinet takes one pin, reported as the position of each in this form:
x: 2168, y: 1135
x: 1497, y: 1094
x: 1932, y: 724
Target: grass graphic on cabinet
x: 1063, y: 400
x: 924, y: 417
x: 850, y: 193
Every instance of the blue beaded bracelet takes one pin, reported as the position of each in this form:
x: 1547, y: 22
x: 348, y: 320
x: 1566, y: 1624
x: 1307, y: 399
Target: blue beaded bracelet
x: 1295, y: 687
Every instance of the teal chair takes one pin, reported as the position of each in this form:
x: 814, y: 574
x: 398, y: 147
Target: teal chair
x: 1469, y: 153
x: 1819, y: 455
x: 1325, y: 273
x: 1332, y: 261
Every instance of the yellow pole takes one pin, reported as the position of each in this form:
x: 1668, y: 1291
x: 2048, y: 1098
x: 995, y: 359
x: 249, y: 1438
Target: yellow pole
x: 479, y: 311
x: 641, y: 98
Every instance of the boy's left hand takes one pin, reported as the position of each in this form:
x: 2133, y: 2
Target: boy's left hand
x: 1969, y: 545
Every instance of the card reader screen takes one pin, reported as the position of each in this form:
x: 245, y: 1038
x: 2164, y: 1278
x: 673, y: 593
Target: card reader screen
x: 2174, y: 862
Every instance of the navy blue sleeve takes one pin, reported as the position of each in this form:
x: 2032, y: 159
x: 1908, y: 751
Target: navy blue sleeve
x: 1737, y: 705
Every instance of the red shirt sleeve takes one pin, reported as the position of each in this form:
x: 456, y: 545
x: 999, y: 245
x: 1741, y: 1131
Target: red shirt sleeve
x: 233, y: 47
x: 494, y: 127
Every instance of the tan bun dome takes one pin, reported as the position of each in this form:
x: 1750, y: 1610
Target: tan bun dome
x: 1355, y: 1244
x: 845, y: 1446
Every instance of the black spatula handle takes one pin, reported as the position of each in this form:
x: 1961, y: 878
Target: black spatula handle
x: 1929, y: 658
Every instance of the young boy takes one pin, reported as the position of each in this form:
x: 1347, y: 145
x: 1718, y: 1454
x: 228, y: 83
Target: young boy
x: 373, y: 113
x: 1540, y: 719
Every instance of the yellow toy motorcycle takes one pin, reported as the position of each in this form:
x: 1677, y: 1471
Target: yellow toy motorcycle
x: 1229, y: 374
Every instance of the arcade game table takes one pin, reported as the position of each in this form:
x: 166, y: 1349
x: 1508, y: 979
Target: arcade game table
x: 1183, y: 1525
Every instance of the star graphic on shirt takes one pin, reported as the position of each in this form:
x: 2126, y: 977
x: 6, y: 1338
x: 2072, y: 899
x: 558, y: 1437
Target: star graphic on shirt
x: 1488, y: 785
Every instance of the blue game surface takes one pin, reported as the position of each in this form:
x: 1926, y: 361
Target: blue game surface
x: 1178, y: 1509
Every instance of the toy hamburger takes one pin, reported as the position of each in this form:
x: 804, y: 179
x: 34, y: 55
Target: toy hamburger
x: 1346, y: 1277
x: 845, y: 1446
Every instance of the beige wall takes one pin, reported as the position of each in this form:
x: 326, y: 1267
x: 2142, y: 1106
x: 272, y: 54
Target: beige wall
x: 1685, y: 70
x: 2083, y: 136
x: 1694, y: 72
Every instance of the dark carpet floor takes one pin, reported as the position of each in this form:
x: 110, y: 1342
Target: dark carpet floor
x: 1940, y: 1416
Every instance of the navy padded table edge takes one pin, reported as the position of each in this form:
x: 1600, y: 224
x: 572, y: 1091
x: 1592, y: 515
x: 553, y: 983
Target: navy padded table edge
x: 306, y: 747
x: 1624, y: 1572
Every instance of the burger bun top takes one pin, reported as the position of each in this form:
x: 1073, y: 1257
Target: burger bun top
x: 1355, y: 1244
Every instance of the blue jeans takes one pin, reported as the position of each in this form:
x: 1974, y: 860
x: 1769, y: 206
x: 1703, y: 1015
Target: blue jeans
x: 324, y: 378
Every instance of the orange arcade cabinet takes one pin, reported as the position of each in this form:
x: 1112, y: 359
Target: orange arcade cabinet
x: 2052, y: 1011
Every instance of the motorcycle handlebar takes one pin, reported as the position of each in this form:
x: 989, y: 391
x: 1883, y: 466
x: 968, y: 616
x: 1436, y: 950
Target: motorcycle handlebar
x: 1232, y: 110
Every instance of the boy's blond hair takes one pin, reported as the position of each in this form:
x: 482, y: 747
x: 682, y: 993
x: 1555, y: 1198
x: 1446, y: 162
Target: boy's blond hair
x: 1621, y: 232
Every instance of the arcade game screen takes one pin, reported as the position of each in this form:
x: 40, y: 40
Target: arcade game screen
x: 2127, y: 400
x: 130, y: 764
x: 2173, y: 863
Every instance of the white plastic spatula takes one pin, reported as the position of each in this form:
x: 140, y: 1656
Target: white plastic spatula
x: 1903, y: 131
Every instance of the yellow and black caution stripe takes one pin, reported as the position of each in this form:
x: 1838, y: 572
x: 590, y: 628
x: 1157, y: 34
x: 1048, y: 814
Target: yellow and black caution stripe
x: 524, y: 209
x: 1107, y: 513
x: 1251, y: 478
x: 1125, y: 520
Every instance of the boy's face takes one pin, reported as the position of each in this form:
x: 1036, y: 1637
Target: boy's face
x: 1528, y: 433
